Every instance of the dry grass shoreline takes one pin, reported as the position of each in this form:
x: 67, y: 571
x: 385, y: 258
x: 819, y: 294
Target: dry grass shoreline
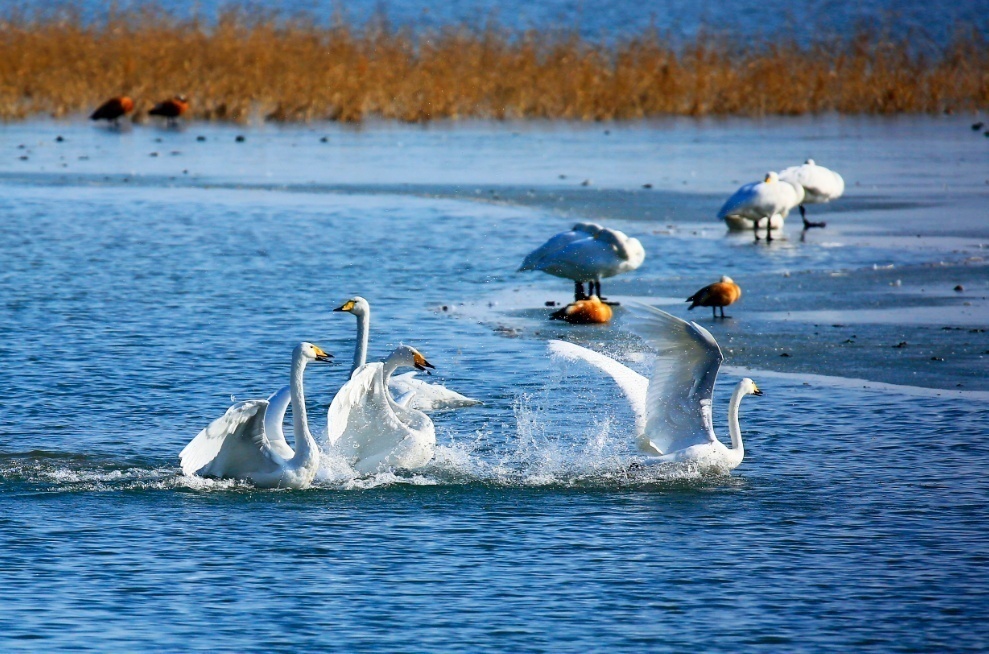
x: 243, y: 67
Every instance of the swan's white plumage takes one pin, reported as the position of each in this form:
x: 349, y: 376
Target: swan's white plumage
x: 673, y: 406
x: 426, y: 396
x: 410, y: 392
x: 608, y: 253
x: 678, y: 400
x: 769, y: 199
x: 554, y: 245
x: 632, y: 384
x: 274, y: 418
x: 820, y: 184
x: 235, y: 440
x: 373, y: 432
x: 244, y: 443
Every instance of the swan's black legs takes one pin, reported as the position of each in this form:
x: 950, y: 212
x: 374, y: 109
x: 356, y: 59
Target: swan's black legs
x: 769, y: 229
x: 578, y: 291
x: 808, y: 224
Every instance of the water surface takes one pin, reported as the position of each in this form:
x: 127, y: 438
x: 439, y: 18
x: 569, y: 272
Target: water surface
x: 142, y: 294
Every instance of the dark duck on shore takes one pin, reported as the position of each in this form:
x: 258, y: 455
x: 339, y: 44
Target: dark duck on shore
x: 113, y: 109
x: 170, y: 109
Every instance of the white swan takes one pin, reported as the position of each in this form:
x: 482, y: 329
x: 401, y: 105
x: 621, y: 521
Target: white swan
x: 409, y: 391
x: 240, y: 444
x: 673, y: 409
x: 372, y: 431
x: 770, y: 200
x: 820, y: 185
x: 586, y: 253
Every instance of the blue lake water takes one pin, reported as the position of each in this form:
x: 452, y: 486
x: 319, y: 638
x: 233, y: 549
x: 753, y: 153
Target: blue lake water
x: 926, y: 23
x: 141, y: 294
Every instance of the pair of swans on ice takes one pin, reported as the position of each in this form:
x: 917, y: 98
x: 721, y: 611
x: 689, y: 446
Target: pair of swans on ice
x: 773, y: 198
x: 365, y: 422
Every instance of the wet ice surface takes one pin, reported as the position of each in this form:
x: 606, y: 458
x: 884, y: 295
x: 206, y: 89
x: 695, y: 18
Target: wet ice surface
x: 142, y: 294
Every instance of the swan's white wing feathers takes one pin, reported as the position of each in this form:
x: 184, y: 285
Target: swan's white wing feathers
x: 678, y: 401
x: 632, y: 384
x: 349, y: 396
x: 550, y: 247
x: 426, y: 396
x: 405, y: 399
x: 821, y: 184
x: 368, y: 428
x: 741, y: 201
x: 233, y: 444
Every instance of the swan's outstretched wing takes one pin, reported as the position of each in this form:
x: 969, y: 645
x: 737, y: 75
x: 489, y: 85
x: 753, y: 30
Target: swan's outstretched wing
x: 426, y: 396
x: 678, y: 402
x: 234, y: 444
x: 633, y: 385
x: 368, y: 428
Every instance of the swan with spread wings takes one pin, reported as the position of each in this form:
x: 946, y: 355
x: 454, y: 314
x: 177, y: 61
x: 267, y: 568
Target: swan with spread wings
x: 245, y: 443
x: 672, y: 408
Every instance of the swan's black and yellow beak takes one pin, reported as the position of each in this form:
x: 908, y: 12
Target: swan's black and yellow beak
x: 755, y: 390
x: 347, y: 306
x: 322, y: 355
x: 420, y: 363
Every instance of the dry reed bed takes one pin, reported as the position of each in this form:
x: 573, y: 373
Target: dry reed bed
x: 244, y: 66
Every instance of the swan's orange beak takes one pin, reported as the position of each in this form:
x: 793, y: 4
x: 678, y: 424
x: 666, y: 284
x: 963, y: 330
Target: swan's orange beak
x: 755, y: 390
x: 420, y: 363
x: 347, y: 306
x: 321, y: 355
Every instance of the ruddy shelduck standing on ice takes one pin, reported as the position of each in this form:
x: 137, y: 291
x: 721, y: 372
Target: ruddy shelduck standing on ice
x: 113, y: 109
x: 171, y: 108
x: 716, y: 295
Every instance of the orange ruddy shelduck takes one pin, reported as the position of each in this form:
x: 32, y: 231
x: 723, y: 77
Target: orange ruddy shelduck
x: 719, y: 294
x: 171, y: 108
x: 113, y: 109
x: 584, y: 312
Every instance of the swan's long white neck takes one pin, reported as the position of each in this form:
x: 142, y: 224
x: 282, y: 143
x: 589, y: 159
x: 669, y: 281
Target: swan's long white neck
x: 733, y: 428
x: 305, y: 445
x: 391, y: 364
x: 363, y: 333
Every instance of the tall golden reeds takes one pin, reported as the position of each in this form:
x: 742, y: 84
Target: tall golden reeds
x: 248, y: 64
